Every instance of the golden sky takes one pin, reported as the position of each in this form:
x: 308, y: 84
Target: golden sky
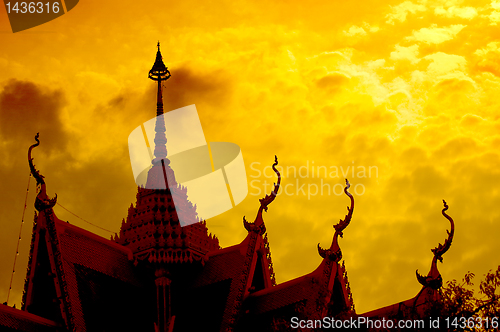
x: 408, y: 87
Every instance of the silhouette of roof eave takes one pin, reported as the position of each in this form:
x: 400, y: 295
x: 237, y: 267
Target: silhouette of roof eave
x: 317, y: 272
x: 13, y: 316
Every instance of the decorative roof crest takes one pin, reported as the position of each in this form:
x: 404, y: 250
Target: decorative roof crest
x: 334, y: 253
x: 433, y: 278
x: 159, y: 72
x: 258, y: 225
x: 42, y: 201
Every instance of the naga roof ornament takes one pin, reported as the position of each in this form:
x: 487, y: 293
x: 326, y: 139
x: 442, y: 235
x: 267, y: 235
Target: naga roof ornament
x: 258, y: 225
x: 42, y: 201
x: 433, y: 278
x: 334, y: 253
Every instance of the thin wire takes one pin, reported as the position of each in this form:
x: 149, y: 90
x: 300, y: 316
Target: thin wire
x: 19, y: 239
x: 88, y: 222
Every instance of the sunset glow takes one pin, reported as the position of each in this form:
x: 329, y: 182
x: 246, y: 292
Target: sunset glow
x: 397, y: 96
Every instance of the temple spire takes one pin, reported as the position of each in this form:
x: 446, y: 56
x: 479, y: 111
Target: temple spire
x: 159, y: 73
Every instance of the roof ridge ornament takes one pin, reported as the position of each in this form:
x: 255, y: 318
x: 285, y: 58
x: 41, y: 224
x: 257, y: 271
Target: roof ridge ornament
x: 42, y: 201
x: 159, y: 72
x: 258, y: 224
x: 434, y: 278
x: 334, y: 253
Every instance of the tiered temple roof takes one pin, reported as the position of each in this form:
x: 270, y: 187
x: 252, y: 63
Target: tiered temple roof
x: 157, y: 275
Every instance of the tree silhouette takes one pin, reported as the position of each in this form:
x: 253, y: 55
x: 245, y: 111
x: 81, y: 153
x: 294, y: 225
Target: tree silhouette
x: 459, y: 309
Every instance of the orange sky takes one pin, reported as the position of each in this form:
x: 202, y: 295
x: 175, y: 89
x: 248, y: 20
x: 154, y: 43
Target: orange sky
x: 409, y: 87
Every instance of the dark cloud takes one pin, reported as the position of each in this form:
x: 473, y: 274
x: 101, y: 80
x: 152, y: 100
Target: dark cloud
x: 27, y: 108
x: 99, y: 191
x: 332, y: 82
x: 490, y: 63
x: 187, y: 86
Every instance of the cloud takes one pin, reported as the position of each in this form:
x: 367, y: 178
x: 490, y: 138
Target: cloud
x: 491, y: 47
x: 190, y: 86
x: 462, y: 12
x: 409, y: 53
x: 435, y: 35
x: 27, y: 108
x: 488, y: 58
x: 443, y: 63
x: 332, y: 82
x: 400, y: 11
x: 471, y: 120
x: 355, y: 31
x: 495, y: 14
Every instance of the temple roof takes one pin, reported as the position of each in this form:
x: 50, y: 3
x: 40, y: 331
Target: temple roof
x: 158, y: 229
x: 431, y: 283
x: 95, y: 276
x: 84, y: 282
x: 12, y: 319
x: 290, y: 292
x: 144, y: 279
x: 153, y: 232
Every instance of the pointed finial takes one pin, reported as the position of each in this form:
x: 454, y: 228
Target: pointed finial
x: 36, y: 174
x: 42, y: 201
x: 334, y: 253
x: 258, y: 224
x: 159, y: 72
x: 434, y: 279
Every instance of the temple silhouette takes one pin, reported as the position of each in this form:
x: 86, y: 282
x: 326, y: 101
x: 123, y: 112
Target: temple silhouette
x: 155, y: 275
